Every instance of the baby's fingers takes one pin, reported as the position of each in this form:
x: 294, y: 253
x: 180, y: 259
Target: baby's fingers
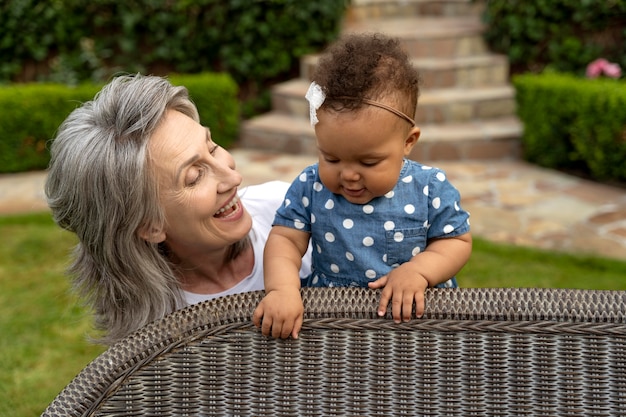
x: 385, y: 297
x: 407, y: 305
x: 379, y: 283
x: 280, y: 329
x: 297, y: 327
x: 419, y: 304
x: 257, y: 316
x: 398, y: 306
x: 266, y: 325
x: 286, y: 328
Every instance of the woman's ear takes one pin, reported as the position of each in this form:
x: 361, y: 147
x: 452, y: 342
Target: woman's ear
x: 411, y: 140
x: 151, y: 234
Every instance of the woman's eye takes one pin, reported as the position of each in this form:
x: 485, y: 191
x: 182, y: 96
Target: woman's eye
x: 194, y: 176
x: 214, y: 149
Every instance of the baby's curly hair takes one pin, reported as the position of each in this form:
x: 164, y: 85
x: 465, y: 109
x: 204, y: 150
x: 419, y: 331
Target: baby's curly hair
x: 367, y: 66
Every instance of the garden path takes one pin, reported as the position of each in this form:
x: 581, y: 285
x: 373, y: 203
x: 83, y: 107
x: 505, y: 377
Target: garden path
x: 509, y: 201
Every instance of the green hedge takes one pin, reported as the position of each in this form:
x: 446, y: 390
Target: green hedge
x: 33, y: 112
x: 71, y: 41
x: 573, y: 123
x: 215, y: 96
x: 564, y: 35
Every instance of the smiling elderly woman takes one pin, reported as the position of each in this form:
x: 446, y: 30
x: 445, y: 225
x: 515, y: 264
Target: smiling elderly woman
x: 155, y: 204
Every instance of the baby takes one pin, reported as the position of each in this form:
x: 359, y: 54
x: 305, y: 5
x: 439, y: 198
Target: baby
x: 374, y: 217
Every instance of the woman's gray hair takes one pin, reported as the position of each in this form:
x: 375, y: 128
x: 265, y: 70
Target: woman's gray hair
x: 100, y: 186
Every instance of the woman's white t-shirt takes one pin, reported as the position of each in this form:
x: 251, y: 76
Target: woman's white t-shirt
x: 261, y: 201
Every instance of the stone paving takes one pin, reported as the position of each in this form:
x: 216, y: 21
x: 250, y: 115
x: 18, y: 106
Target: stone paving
x: 509, y: 201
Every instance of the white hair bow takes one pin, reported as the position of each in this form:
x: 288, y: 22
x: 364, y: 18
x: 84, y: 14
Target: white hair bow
x: 316, y: 97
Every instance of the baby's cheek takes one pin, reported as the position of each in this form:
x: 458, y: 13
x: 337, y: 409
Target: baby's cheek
x: 380, y: 185
x: 330, y: 179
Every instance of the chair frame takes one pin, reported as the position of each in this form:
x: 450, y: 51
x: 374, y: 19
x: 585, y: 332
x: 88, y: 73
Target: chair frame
x: 476, y: 352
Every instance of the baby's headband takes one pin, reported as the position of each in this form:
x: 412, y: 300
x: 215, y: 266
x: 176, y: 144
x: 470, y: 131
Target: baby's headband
x: 316, y: 97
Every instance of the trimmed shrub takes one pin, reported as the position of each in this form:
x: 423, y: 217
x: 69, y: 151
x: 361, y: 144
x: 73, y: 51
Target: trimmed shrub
x: 215, y: 96
x: 574, y: 123
x: 33, y: 112
x: 71, y: 41
x: 599, y: 129
x: 563, y: 35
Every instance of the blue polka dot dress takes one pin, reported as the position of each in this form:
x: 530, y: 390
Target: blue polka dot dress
x: 354, y: 244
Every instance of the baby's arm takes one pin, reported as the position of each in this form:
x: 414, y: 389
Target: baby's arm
x: 440, y: 261
x: 280, y: 312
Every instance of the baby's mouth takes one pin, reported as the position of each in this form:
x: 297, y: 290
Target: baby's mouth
x: 354, y: 192
x: 228, y: 209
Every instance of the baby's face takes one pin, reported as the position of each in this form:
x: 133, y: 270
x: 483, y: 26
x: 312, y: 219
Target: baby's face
x: 361, y: 153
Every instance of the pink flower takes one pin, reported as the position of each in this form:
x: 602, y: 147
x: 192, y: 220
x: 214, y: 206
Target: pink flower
x: 602, y: 66
x: 612, y: 70
x: 594, y: 69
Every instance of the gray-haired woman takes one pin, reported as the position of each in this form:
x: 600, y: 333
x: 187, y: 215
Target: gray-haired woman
x: 155, y: 204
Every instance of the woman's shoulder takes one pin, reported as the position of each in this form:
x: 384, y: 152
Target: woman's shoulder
x: 264, y: 190
x: 262, y: 200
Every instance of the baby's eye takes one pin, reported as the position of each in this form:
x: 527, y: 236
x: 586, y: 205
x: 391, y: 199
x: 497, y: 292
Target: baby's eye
x: 369, y: 163
x: 331, y: 160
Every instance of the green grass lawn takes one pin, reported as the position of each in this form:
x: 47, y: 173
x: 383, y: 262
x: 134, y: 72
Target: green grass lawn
x: 44, y: 329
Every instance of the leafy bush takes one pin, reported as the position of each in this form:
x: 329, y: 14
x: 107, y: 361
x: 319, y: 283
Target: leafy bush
x: 599, y: 130
x: 564, y: 35
x: 574, y: 123
x: 215, y: 96
x: 89, y: 40
x: 33, y: 112
x: 31, y: 115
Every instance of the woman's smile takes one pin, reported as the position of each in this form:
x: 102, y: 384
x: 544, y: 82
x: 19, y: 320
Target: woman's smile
x: 232, y: 210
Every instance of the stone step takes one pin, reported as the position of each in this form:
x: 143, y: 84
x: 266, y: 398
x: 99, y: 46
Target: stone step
x: 436, y: 37
x: 493, y: 139
x: 497, y: 139
x: 435, y: 106
x: 277, y: 131
x: 466, y: 109
x: 466, y: 71
x: 458, y: 105
x: 288, y: 97
x: 374, y: 9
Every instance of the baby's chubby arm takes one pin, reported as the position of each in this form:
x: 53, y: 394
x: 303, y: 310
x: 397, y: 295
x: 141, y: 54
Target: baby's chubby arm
x: 280, y: 312
x: 440, y: 261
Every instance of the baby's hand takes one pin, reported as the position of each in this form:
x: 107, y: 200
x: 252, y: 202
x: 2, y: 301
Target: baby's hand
x: 402, y: 287
x: 280, y: 313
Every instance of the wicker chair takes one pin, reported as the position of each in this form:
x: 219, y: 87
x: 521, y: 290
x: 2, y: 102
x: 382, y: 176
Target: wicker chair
x: 477, y: 352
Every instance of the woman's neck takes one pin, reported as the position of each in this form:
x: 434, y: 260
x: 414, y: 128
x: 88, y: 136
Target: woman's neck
x: 214, y: 274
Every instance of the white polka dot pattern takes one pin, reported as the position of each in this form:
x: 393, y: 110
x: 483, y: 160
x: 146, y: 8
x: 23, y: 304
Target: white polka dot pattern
x: 356, y: 244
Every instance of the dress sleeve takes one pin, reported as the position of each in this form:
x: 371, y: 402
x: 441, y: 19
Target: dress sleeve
x: 446, y: 218
x: 261, y: 201
x: 295, y: 211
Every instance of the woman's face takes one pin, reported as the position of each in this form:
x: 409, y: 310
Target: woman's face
x: 197, y: 188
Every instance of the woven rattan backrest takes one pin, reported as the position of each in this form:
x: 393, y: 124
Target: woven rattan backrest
x: 477, y: 352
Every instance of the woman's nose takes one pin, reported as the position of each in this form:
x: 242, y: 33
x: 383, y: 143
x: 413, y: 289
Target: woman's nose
x: 228, y: 175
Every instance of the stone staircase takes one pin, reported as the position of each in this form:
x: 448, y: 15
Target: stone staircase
x: 466, y: 109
